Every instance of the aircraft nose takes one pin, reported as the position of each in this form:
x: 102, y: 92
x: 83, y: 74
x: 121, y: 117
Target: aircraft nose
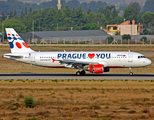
x: 148, y: 62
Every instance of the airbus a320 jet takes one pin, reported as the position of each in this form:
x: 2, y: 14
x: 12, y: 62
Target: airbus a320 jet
x: 92, y: 61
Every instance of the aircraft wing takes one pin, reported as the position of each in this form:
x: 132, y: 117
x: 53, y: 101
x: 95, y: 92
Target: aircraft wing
x: 76, y: 63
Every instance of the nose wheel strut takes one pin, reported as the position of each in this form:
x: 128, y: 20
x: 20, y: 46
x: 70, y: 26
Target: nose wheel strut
x: 131, y: 73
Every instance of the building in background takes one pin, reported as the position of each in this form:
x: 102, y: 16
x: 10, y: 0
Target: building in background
x: 81, y: 35
x: 125, y: 28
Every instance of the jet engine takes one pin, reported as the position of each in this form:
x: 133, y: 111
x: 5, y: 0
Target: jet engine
x: 99, y: 68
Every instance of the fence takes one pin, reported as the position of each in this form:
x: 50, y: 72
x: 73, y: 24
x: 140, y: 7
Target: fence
x: 92, y: 42
x: 87, y: 42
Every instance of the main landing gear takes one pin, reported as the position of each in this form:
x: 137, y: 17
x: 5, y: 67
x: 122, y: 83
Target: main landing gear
x: 131, y: 73
x: 78, y: 73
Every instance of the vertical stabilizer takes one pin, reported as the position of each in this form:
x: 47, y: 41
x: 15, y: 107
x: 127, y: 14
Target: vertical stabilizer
x: 16, y: 43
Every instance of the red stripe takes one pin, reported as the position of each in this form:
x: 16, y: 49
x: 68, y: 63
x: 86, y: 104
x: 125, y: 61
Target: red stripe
x: 54, y: 66
x: 116, y: 67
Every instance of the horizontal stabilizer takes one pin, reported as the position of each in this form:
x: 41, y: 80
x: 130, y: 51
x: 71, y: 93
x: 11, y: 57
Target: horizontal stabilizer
x: 12, y: 56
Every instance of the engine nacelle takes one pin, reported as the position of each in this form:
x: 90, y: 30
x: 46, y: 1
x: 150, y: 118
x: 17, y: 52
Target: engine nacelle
x: 98, y: 68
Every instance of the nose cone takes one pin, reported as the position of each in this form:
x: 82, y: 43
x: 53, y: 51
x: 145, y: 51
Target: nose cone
x: 148, y: 62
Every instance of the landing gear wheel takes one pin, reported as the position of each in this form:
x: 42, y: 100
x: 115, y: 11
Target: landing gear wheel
x: 130, y: 73
x: 78, y: 73
x: 83, y: 72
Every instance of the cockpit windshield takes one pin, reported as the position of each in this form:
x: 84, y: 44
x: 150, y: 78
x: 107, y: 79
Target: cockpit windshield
x: 141, y: 56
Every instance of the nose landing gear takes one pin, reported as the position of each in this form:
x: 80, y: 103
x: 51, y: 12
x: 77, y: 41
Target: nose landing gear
x: 131, y: 73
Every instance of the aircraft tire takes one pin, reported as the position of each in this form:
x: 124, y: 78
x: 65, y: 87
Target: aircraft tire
x: 83, y: 72
x: 131, y: 74
x: 78, y: 73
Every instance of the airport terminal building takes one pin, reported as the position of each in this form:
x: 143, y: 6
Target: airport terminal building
x: 72, y: 36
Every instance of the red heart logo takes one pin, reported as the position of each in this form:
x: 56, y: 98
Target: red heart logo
x: 91, y: 55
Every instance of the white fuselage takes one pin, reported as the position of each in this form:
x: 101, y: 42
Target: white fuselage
x: 107, y: 58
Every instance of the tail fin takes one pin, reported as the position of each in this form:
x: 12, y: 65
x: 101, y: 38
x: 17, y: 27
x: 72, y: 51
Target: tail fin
x: 17, y: 44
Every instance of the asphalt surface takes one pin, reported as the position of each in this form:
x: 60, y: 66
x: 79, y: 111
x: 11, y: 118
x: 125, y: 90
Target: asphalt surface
x: 108, y: 76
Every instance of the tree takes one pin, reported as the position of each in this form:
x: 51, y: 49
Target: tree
x: 89, y: 11
x: 63, y: 2
x: 122, y: 7
x: 67, y: 11
x: 15, y: 13
x: 132, y: 12
x: 127, y: 13
x: 149, y: 6
x: 144, y: 39
x: 59, y: 16
x: 84, y: 6
x: 136, y: 8
x: 101, y: 4
x: 114, y: 13
x: 109, y: 39
x: 90, y: 26
x: 73, y: 3
x: 73, y: 16
x: 30, y: 10
x: 147, y: 17
x: 109, y: 12
x: 93, y: 6
x: 11, y: 14
x: 126, y: 37
x: 22, y: 14
x: 100, y: 19
x: 90, y: 17
x: 18, y: 25
x: 25, y: 10
x: 3, y: 16
x: 81, y: 17
x: 68, y: 22
x: 146, y: 32
x: 152, y: 29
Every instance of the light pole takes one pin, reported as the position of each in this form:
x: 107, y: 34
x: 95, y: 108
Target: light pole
x: 2, y: 33
x: 33, y: 32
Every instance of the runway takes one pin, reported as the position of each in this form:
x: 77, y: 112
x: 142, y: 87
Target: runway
x: 108, y: 76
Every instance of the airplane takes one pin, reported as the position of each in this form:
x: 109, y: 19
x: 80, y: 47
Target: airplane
x: 92, y: 61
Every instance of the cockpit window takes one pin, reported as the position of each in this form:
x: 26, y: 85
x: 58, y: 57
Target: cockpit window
x: 141, y: 56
